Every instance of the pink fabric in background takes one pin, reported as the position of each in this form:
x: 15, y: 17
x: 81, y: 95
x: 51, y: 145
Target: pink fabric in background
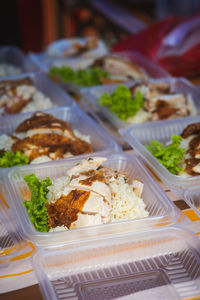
x: 149, y: 41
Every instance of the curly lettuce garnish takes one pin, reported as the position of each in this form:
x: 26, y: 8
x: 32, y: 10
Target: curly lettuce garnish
x: 37, y: 206
x: 170, y: 156
x: 121, y: 103
x: 87, y: 77
x: 9, y: 159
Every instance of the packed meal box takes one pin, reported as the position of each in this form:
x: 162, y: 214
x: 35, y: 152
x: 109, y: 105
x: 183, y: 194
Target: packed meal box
x: 44, y: 137
x: 80, y: 199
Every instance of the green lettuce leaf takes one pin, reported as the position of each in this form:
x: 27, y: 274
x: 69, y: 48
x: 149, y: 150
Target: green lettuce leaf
x: 121, y: 103
x: 87, y: 77
x: 170, y: 156
x: 9, y: 159
x: 37, y: 206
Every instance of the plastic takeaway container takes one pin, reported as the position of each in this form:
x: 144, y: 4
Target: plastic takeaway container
x: 192, y: 197
x: 160, y: 264
x: 13, y: 56
x: 90, y: 99
x: 46, y: 86
x: 139, y: 136
x: 151, y: 69
x: 161, y: 210
x: 101, y: 142
x: 54, y: 55
x: 11, y: 243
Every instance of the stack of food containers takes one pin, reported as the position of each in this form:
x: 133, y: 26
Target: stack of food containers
x: 126, y: 259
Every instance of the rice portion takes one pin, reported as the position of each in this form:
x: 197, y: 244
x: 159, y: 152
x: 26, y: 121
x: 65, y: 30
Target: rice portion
x: 39, y: 102
x: 41, y: 159
x: 57, y: 188
x: 6, y: 142
x: 125, y: 205
x: 82, y: 136
x: 7, y: 69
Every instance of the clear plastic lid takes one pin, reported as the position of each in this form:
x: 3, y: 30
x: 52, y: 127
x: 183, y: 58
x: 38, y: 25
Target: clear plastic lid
x: 192, y: 197
x: 46, y: 86
x: 12, y: 56
x: 160, y: 264
x: 161, y: 210
x: 11, y: 243
x: 90, y: 99
x: 139, y: 136
x: 83, y: 125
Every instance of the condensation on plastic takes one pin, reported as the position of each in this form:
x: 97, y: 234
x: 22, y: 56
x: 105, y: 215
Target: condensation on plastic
x: 139, y: 136
x: 161, y: 210
x: 192, y: 197
x: 160, y: 264
x: 101, y: 142
x: 13, y: 56
x: 177, y: 85
x: 46, y: 86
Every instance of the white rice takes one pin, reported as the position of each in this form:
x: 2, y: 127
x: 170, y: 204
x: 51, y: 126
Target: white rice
x: 39, y: 102
x: 6, y: 142
x: 7, y: 69
x: 57, y: 188
x: 41, y: 159
x: 82, y: 136
x: 58, y: 228
x: 125, y: 205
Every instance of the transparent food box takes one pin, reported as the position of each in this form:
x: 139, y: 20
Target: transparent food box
x: 151, y: 69
x: 139, y: 136
x: 91, y: 96
x: 192, y: 197
x: 11, y: 243
x: 12, y: 56
x: 100, y: 141
x: 163, y: 264
x: 46, y: 86
x: 161, y: 210
x: 55, y: 54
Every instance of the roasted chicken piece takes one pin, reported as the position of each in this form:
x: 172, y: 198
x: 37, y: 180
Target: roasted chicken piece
x: 15, y: 94
x: 46, y: 135
x: 191, y: 142
x: 119, y: 66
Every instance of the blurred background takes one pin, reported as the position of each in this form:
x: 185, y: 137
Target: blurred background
x: 33, y: 24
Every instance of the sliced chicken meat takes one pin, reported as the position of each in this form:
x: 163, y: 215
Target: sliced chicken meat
x: 191, y: 142
x: 44, y: 135
x: 86, y: 198
x: 117, y: 65
x: 16, y: 94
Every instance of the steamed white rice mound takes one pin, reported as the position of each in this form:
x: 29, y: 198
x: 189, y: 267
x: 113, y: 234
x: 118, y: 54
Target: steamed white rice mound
x: 6, y: 142
x: 39, y: 102
x: 125, y: 205
x: 7, y: 69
